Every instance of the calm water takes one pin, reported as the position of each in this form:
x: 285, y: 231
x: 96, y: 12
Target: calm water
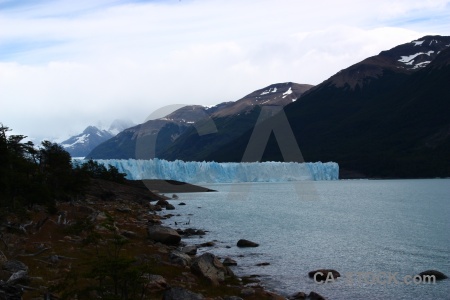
x: 374, y: 226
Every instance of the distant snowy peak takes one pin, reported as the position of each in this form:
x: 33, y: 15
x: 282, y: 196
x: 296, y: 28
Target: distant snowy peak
x: 80, y: 145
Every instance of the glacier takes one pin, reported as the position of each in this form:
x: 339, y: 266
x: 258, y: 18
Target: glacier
x: 213, y: 172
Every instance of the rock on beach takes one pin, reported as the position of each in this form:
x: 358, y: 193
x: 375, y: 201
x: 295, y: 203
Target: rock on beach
x: 165, y: 235
x: 246, y: 243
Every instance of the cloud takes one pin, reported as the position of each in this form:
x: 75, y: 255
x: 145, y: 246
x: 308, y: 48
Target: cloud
x: 63, y: 67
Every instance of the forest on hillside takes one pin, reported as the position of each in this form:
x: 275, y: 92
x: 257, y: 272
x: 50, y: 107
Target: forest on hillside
x: 42, y: 175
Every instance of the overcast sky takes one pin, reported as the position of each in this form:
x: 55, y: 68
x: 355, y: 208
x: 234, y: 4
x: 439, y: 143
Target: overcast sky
x: 66, y: 64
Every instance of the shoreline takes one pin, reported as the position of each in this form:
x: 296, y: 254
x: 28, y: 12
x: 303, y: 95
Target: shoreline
x: 253, y: 280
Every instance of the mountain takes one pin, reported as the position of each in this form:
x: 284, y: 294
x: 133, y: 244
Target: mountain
x: 163, y: 133
x: 157, y: 133
x: 231, y: 119
x: 387, y: 116
x: 81, y: 144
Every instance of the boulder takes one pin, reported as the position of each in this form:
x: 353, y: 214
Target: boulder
x: 229, y: 272
x: 192, y: 231
x: 229, y: 262
x: 155, y: 282
x: 178, y: 293
x: 324, y: 274
x: 14, y: 266
x: 189, y: 250
x: 315, y: 296
x: 182, y: 203
x: 438, y: 275
x: 207, y: 244
x: 208, y: 266
x: 298, y: 296
x: 170, y: 207
x: 165, y: 235
x: 180, y: 258
x: 246, y: 243
x: 162, y: 203
x: 19, y: 277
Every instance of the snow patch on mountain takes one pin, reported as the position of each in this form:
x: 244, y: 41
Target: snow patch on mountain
x: 422, y: 64
x: 288, y: 92
x: 417, y: 43
x: 78, y: 140
x: 270, y: 90
x: 409, y: 59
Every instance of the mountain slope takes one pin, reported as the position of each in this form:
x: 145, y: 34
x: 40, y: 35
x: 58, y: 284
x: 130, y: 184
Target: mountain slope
x: 231, y: 120
x: 157, y: 133
x: 180, y: 134
x: 389, y: 123
x: 81, y: 144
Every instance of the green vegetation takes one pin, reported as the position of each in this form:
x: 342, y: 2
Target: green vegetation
x: 109, y: 273
x: 44, y: 175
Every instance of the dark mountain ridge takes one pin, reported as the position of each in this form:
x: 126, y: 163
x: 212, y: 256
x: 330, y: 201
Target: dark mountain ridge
x: 159, y: 132
x: 170, y: 134
x: 394, y: 124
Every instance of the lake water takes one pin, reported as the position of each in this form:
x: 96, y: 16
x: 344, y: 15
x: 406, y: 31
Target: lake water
x: 390, y: 226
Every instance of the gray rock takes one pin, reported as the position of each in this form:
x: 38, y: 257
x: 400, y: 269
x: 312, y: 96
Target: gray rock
x: 207, y: 244
x: 229, y: 272
x: 155, y: 282
x: 165, y: 235
x: 209, y: 266
x: 190, y: 250
x: 180, y: 258
x: 246, y: 243
x: 229, y: 262
x: 162, y: 203
x: 438, y: 275
x: 232, y: 298
x: 177, y: 293
x: 170, y: 207
x: 14, y: 266
x: 19, y: 277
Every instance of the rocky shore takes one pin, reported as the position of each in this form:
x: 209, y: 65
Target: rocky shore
x: 112, y: 245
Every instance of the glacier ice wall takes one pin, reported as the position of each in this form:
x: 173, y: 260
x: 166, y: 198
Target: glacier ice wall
x: 212, y: 172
